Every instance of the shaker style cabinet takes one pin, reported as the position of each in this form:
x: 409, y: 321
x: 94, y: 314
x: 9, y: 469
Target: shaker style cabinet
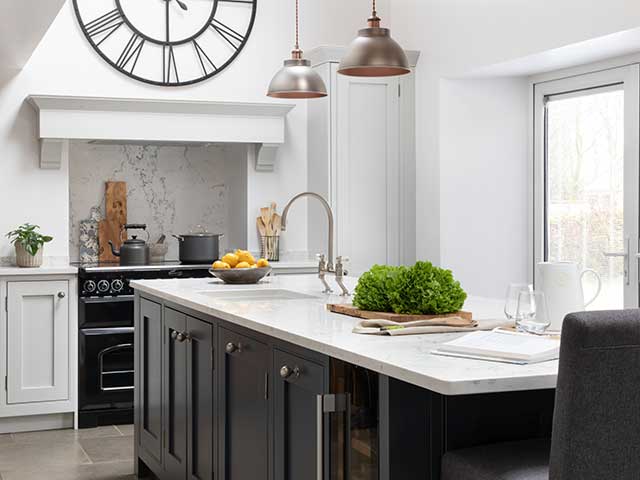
x: 362, y: 160
x: 38, y: 348
x: 219, y: 401
x: 299, y: 420
x: 244, y: 407
x: 176, y: 396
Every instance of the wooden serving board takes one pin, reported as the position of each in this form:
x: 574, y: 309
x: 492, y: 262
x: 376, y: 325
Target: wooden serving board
x: 109, y: 230
x: 352, y: 311
x: 115, y: 200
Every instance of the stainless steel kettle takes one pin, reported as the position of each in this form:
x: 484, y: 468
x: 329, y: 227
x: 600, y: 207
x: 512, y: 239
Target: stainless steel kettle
x: 133, y: 251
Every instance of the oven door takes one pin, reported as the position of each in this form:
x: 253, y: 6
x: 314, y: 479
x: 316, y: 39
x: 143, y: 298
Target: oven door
x: 106, y: 368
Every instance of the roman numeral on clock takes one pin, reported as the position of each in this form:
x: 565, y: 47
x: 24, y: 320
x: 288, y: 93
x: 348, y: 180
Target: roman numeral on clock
x: 129, y: 56
x: 205, y: 62
x: 103, y: 27
x: 169, y: 66
x: 232, y: 37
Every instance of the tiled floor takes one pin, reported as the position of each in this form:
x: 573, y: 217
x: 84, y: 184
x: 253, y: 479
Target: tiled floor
x: 103, y: 453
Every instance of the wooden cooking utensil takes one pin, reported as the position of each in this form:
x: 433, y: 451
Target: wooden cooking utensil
x: 262, y: 230
x: 276, y: 224
x: 266, y: 218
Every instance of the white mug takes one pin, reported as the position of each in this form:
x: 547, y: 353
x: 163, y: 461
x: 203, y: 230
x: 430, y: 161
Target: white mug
x: 561, y: 283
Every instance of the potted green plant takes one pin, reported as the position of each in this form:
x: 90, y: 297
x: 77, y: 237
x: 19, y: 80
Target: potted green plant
x: 29, y: 244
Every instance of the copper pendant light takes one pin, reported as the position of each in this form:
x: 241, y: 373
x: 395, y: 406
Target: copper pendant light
x: 374, y: 53
x: 297, y: 79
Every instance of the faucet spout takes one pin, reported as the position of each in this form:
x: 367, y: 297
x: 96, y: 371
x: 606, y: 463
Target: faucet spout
x: 327, y: 208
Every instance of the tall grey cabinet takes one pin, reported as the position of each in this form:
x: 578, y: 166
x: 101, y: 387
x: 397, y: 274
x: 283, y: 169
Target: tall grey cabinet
x: 362, y: 160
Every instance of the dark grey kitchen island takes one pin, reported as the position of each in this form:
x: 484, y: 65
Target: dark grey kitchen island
x: 251, y: 383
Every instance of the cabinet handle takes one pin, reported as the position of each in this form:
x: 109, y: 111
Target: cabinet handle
x: 232, y: 347
x: 287, y: 372
x: 61, y: 294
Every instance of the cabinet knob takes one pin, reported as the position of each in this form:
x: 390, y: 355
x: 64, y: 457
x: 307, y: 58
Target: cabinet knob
x: 232, y: 347
x: 180, y: 336
x: 288, y: 372
x: 61, y: 294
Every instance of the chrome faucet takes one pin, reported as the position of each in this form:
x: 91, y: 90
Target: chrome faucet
x: 325, y: 263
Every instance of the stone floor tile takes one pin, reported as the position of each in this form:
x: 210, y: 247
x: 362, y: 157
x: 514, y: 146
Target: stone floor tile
x: 126, y: 430
x: 65, y: 436
x: 103, y: 471
x: 108, y: 449
x: 16, y: 456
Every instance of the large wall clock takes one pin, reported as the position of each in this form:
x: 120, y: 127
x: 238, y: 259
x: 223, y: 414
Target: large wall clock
x: 167, y: 42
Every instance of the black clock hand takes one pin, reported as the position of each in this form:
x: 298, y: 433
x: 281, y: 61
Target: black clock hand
x: 182, y: 5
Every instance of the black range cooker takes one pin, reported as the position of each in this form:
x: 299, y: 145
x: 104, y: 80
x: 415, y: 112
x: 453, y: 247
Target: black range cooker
x: 105, y: 340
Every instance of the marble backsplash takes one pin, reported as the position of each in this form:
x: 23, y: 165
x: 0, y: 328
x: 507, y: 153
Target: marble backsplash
x: 170, y: 188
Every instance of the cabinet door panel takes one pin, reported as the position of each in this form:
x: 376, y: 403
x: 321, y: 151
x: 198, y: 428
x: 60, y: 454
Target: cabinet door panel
x: 175, y: 394
x: 244, y: 416
x: 367, y: 200
x: 296, y: 416
x: 149, y: 342
x: 38, y: 347
x: 201, y: 421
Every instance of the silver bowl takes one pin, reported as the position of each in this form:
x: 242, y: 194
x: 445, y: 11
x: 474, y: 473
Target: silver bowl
x: 241, y: 276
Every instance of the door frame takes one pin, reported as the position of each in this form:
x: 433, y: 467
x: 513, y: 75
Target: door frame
x: 629, y: 77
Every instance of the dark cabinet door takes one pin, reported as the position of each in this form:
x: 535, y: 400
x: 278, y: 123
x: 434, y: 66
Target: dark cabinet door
x: 175, y: 394
x: 244, y: 414
x: 149, y: 380
x: 299, y: 423
x: 200, y: 385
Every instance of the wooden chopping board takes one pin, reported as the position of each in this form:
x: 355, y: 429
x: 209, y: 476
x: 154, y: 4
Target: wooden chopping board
x: 352, y: 311
x: 109, y: 230
x: 115, y: 196
x: 115, y: 200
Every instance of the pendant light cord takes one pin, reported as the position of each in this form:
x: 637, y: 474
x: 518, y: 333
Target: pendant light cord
x: 375, y: 14
x: 297, y: 28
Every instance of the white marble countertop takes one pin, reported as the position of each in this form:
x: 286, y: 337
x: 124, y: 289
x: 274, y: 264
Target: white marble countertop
x: 12, y: 271
x: 308, y: 323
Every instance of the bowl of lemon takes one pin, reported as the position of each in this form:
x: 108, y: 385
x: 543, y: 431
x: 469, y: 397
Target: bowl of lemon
x: 240, y: 268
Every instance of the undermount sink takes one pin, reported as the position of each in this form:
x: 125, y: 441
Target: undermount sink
x: 256, y: 295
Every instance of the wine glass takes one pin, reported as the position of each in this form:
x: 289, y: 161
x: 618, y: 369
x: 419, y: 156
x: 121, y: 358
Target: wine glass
x: 532, y: 312
x: 511, y: 302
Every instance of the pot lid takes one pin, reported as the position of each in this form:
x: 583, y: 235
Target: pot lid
x: 204, y: 234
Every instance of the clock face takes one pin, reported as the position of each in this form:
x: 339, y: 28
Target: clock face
x: 167, y: 42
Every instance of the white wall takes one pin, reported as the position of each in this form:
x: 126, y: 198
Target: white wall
x: 459, y: 36
x: 65, y: 64
x: 484, y: 182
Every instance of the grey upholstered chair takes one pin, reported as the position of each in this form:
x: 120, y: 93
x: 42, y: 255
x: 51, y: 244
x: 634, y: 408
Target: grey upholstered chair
x: 596, y: 424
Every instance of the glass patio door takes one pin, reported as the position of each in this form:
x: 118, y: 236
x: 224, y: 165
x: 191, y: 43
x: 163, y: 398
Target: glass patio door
x: 587, y: 180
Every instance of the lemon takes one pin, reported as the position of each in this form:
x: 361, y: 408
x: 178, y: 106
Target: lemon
x: 245, y: 256
x: 263, y: 263
x: 231, y: 259
x: 221, y: 265
x: 243, y: 265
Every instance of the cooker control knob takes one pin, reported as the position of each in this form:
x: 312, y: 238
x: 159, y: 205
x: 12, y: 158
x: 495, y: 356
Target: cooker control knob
x: 117, y: 286
x: 103, y: 286
x: 89, y: 286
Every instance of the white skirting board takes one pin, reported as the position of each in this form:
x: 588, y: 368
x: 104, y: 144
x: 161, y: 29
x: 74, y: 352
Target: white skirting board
x: 32, y: 423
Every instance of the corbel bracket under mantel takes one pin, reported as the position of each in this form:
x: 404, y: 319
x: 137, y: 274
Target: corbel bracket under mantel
x: 63, y: 118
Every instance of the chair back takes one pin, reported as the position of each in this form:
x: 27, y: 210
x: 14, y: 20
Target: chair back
x: 596, y: 424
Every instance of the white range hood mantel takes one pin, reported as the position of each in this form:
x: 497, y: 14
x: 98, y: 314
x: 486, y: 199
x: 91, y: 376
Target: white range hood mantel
x: 64, y: 118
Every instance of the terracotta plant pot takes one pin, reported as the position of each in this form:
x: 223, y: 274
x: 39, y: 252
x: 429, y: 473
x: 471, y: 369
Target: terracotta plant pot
x: 25, y: 259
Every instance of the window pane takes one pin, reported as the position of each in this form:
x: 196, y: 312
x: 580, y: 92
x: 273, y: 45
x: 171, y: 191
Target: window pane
x: 585, y: 178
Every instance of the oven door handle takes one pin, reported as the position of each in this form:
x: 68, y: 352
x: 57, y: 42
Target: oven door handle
x: 99, y: 300
x: 107, y: 331
x: 101, y: 355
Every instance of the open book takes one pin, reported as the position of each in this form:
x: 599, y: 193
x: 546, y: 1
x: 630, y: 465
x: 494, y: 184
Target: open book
x: 502, y: 346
